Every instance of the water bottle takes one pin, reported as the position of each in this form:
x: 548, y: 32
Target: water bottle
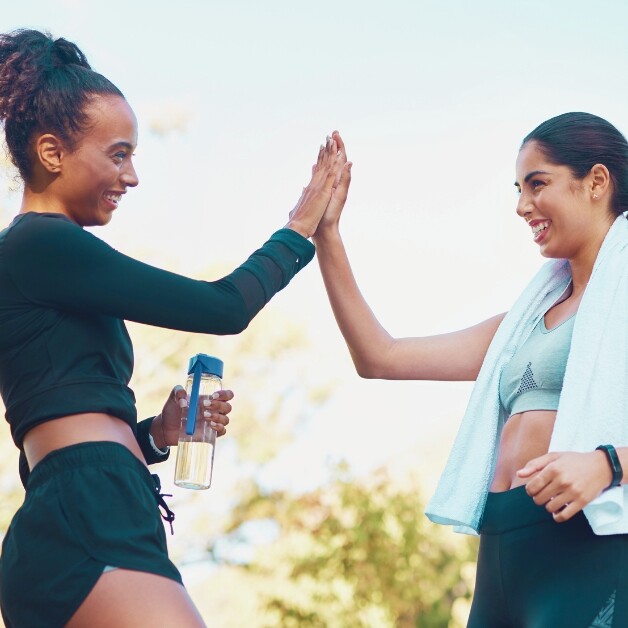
x: 197, y: 440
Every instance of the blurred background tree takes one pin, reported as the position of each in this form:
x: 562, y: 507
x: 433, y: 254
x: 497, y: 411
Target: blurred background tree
x: 357, y: 553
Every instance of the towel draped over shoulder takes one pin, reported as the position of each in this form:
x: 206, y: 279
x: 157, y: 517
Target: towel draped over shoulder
x: 593, y: 407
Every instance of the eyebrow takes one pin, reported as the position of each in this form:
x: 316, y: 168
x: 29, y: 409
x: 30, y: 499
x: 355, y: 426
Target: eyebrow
x: 530, y: 175
x: 122, y: 145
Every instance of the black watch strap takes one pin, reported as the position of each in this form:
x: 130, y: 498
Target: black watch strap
x: 613, y: 461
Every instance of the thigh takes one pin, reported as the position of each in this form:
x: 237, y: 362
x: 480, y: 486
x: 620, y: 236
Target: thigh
x: 565, y: 575
x: 134, y: 599
x: 488, y: 609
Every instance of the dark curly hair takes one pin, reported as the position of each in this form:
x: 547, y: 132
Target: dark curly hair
x: 45, y: 85
x: 581, y: 140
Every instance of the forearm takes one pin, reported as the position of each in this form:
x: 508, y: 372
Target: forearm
x: 368, y: 342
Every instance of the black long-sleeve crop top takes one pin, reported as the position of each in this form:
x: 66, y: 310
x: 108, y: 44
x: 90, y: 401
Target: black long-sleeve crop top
x: 64, y: 296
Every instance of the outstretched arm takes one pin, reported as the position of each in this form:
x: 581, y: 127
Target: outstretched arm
x: 376, y: 354
x: 53, y: 262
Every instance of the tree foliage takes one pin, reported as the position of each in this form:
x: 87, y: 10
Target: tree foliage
x: 360, y: 553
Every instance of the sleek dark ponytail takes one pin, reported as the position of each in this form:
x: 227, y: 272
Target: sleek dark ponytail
x: 45, y: 85
x: 581, y: 140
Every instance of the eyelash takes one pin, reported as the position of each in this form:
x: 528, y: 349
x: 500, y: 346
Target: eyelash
x: 534, y: 184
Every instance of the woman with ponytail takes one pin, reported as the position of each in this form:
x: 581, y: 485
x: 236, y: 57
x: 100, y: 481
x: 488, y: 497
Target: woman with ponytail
x: 87, y: 547
x: 539, y: 467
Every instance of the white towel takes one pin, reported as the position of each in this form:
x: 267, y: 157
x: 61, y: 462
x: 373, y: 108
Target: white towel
x: 593, y: 407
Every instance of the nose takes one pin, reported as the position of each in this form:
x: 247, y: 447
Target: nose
x: 129, y: 176
x: 524, y: 207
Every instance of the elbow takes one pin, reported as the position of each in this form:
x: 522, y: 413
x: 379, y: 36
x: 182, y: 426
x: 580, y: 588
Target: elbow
x: 232, y: 325
x: 366, y: 370
x: 236, y: 325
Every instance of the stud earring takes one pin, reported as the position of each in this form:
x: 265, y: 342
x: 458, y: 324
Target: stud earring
x: 595, y: 196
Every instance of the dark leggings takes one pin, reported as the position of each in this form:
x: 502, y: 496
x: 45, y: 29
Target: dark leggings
x: 536, y: 573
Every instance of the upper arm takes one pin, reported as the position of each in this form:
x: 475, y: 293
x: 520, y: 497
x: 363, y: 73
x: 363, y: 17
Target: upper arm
x: 59, y: 265
x: 455, y: 356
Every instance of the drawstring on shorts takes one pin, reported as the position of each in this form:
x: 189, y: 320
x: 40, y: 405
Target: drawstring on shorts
x: 161, y: 502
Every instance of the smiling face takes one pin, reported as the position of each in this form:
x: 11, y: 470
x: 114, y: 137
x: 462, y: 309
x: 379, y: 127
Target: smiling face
x: 94, y: 176
x: 559, y: 208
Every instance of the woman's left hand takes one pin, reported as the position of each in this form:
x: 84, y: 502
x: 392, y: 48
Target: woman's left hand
x: 565, y: 482
x: 166, y: 425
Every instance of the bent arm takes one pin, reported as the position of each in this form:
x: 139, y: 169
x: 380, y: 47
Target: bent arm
x: 375, y: 353
x: 55, y: 263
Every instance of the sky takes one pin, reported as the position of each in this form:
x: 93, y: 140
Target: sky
x: 432, y: 99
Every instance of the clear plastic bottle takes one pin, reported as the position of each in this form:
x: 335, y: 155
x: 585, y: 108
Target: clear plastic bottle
x: 197, y: 440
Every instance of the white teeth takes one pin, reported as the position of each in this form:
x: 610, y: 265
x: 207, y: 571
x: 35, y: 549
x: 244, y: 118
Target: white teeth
x: 114, y: 198
x: 540, y: 227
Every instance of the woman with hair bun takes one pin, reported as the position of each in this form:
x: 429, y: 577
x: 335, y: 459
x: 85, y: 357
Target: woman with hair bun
x: 87, y: 547
x: 538, y: 468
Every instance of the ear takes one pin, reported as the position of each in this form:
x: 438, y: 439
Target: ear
x: 599, y: 181
x: 49, y: 152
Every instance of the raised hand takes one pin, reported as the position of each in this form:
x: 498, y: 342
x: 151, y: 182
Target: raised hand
x: 332, y: 214
x: 305, y: 216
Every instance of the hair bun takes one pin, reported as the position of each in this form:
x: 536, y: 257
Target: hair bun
x: 64, y: 52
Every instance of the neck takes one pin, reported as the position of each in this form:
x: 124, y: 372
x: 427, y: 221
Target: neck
x: 40, y: 202
x: 582, y: 263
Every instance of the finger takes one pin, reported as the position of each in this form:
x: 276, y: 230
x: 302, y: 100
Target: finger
x: 222, y: 407
x: 341, y: 190
x: 216, y: 418
x: 567, y: 512
x: 536, y: 464
x: 546, y: 494
x: 179, y: 396
x: 223, y: 394
x: 331, y: 152
x: 536, y: 485
x: 339, y: 143
x: 330, y: 178
x: 319, y: 160
x: 557, y: 502
x: 218, y: 422
x: 341, y: 162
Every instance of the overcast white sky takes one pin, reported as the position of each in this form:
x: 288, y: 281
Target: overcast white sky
x: 433, y: 99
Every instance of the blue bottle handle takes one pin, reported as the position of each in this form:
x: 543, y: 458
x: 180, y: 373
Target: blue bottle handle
x: 190, y: 424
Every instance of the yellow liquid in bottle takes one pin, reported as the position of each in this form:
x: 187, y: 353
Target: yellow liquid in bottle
x: 194, y: 465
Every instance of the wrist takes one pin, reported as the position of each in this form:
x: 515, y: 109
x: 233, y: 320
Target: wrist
x: 326, y: 235
x: 157, y: 433
x: 301, y: 228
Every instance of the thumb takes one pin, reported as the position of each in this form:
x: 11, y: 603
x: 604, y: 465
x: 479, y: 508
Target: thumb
x: 179, y: 396
x: 341, y: 190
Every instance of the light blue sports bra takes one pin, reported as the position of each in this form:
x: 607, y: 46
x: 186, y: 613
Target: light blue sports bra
x: 533, y: 379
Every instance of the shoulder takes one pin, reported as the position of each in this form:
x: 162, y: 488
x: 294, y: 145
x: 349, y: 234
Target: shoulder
x: 34, y: 232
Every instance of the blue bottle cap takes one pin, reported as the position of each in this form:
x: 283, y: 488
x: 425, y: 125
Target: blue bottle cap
x: 199, y: 364
x: 207, y: 364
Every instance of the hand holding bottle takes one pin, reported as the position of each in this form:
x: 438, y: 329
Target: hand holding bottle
x: 165, y: 427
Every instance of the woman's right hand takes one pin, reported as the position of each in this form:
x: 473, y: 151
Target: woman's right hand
x: 306, y: 215
x: 329, y: 222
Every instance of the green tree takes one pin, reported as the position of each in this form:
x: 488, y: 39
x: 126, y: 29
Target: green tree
x: 361, y: 554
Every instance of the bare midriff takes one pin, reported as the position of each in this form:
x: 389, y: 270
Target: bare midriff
x: 78, y: 428
x: 525, y: 436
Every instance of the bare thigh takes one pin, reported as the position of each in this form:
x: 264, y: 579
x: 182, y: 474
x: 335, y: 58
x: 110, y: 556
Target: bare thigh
x: 134, y: 599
